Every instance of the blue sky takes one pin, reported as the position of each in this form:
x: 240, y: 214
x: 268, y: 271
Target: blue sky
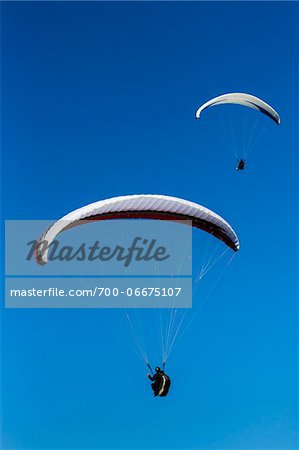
x: 98, y: 100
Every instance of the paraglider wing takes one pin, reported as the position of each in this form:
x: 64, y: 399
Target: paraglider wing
x: 160, y: 207
x: 240, y: 98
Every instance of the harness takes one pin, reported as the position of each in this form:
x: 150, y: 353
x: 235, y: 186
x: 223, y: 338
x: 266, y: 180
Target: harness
x: 164, y: 385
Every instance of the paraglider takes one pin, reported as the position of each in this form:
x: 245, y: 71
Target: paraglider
x: 160, y: 382
x: 241, y: 137
x: 148, y: 206
x: 165, y: 208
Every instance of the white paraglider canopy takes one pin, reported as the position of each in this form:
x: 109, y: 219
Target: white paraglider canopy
x: 240, y: 98
x: 159, y: 207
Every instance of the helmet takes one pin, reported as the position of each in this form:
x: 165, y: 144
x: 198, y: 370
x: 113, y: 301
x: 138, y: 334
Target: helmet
x: 157, y: 369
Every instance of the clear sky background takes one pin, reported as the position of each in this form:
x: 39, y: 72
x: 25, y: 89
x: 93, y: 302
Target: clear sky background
x: 98, y: 100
